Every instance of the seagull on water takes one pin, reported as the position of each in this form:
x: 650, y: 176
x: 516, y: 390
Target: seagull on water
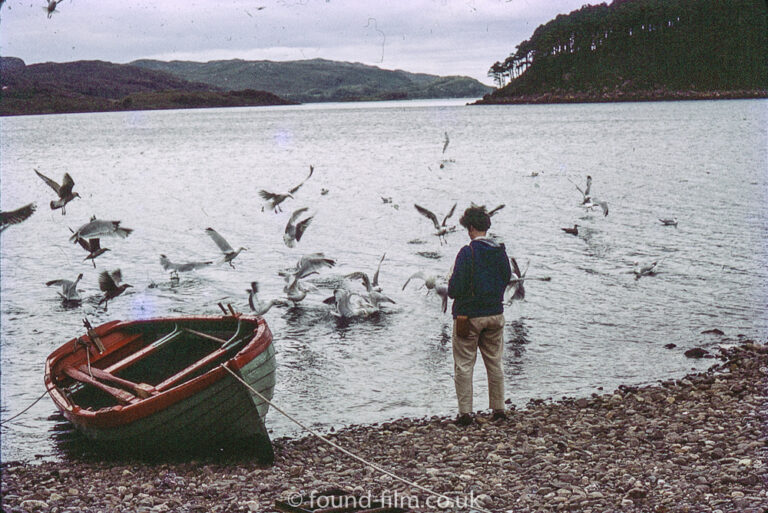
x: 572, y: 231
x: 669, y: 222
x: 294, y: 230
x: 16, y: 216
x: 641, y: 270
x: 68, y: 289
x: 183, y: 268
x: 64, y: 191
x: 261, y: 307
x: 350, y: 304
x: 100, y: 228
x: 229, y: 253
x: 375, y: 297
x: 442, y: 229
x: 276, y: 199
x: 108, y: 283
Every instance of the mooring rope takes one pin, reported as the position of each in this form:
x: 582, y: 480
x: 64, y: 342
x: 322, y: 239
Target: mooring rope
x: 3, y: 423
x: 345, y: 451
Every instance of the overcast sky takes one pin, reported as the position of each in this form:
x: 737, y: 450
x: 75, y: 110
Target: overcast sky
x: 442, y: 37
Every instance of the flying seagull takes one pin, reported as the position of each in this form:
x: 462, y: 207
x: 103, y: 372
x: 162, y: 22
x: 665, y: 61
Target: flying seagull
x: 306, y: 266
x: 183, y: 268
x: 585, y: 192
x: 261, y: 307
x: 16, y: 216
x: 93, y: 247
x: 64, y: 191
x: 294, y: 230
x: 108, y: 283
x: 594, y: 203
x: 572, y: 231
x: 432, y: 282
x: 516, y: 286
x: 68, y: 289
x: 100, y: 228
x: 51, y: 8
x: 229, y: 253
x: 442, y: 229
x: 445, y: 142
x: 276, y: 199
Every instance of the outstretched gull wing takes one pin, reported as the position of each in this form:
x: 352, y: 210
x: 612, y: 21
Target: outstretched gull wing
x: 219, y: 240
x: 56, y: 282
x: 495, y: 210
x: 251, y: 293
x: 296, y: 214
x: 106, y: 282
x: 269, y: 196
x: 429, y: 215
x: 376, y: 274
x: 515, y: 267
x: 449, y: 214
x: 117, y: 276
x: 301, y: 227
x: 16, y: 216
x: 53, y: 185
x: 359, y: 275
x: 311, y: 169
x: 577, y: 187
x: 417, y: 274
x: 66, y: 185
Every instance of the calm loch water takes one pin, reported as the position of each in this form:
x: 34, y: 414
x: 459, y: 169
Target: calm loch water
x: 170, y: 174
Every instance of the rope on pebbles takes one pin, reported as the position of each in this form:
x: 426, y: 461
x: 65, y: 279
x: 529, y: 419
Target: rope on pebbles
x: 345, y: 451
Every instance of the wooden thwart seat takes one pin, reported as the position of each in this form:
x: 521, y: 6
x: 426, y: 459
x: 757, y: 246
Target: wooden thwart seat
x: 143, y: 390
x: 122, y: 396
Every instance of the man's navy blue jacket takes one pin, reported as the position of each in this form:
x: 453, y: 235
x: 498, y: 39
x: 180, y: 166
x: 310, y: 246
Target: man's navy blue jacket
x: 480, y: 276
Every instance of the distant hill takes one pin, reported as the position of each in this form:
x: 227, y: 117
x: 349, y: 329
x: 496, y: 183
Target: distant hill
x: 641, y: 50
x: 93, y: 86
x: 319, y: 80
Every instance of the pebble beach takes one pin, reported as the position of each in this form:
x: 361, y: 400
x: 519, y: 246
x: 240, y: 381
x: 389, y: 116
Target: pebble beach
x: 697, y: 444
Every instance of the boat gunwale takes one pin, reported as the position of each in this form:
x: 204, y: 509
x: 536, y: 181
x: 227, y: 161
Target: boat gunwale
x: 121, y: 415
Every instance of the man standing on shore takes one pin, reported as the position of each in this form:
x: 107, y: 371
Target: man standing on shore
x: 480, y: 276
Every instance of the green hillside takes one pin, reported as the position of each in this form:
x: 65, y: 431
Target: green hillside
x: 95, y: 86
x: 319, y: 80
x: 639, y: 50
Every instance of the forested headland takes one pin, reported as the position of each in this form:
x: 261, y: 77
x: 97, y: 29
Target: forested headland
x: 641, y: 50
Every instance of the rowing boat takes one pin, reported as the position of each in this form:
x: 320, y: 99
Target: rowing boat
x: 166, y: 385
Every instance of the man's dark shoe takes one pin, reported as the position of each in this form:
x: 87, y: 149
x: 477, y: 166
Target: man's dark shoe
x: 465, y: 419
x: 499, y: 415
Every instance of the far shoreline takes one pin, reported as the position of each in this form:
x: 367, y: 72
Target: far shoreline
x: 657, y: 95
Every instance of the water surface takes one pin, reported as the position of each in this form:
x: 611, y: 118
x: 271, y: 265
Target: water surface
x: 170, y: 174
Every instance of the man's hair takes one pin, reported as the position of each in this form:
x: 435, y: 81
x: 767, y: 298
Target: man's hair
x: 477, y: 218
